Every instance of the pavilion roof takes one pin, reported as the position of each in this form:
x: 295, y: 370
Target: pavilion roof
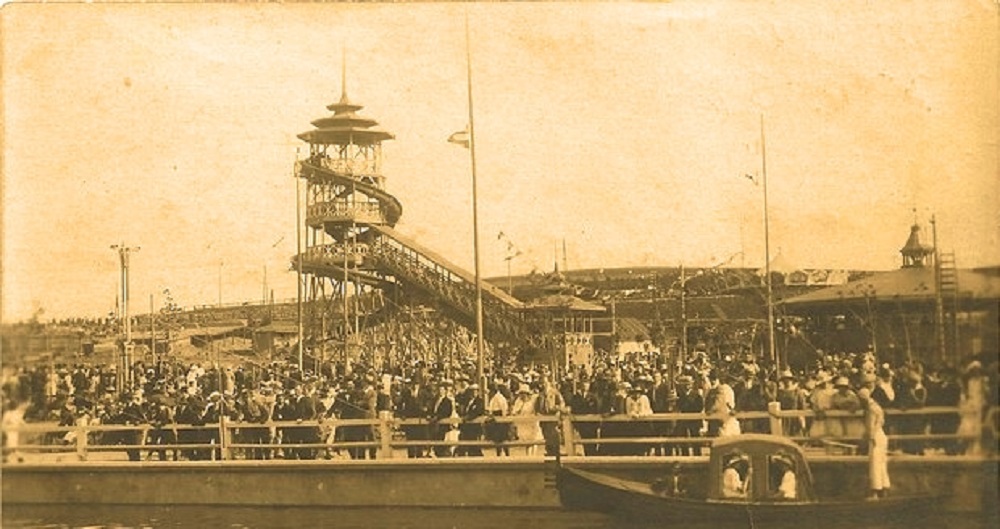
x: 565, y: 302
x: 905, y: 284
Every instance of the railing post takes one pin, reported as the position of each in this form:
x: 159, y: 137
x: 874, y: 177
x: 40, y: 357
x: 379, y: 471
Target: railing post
x: 568, y: 447
x: 81, y: 442
x: 385, y: 435
x: 224, y: 439
x: 988, y: 435
x: 773, y: 409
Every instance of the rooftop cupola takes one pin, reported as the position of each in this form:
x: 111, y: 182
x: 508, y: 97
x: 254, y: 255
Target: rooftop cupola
x: 914, y: 252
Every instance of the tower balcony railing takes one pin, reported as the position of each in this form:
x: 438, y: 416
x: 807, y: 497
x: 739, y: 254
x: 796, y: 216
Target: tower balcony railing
x: 350, y: 167
x: 340, y: 211
x: 334, y: 254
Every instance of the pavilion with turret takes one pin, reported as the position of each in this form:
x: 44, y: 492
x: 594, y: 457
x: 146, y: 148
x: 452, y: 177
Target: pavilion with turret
x: 927, y: 310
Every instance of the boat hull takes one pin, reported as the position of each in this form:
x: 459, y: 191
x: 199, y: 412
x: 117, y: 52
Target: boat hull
x: 580, y: 489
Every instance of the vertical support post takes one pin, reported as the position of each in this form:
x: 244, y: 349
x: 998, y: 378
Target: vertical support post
x: 152, y: 331
x: 224, y: 441
x: 81, y: 442
x: 773, y: 409
x: 767, y: 254
x: 480, y: 345
x: 124, y: 377
x: 298, y: 271
x: 568, y: 447
x: 385, y: 435
x: 939, y: 327
x: 684, y: 321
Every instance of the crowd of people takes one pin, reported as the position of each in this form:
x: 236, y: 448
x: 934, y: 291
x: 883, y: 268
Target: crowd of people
x: 444, y: 411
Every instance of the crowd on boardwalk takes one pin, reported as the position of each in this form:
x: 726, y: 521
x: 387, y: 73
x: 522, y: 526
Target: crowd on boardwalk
x: 443, y: 402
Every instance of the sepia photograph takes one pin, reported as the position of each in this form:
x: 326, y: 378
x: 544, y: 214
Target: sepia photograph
x: 694, y: 263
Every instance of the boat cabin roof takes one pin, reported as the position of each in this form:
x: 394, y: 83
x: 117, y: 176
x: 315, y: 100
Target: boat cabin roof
x: 760, y: 461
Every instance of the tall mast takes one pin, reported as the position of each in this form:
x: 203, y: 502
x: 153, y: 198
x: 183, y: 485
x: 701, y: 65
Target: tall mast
x: 767, y: 252
x: 480, y: 346
x: 298, y: 268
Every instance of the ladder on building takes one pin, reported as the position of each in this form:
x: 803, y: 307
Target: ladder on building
x: 947, y: 303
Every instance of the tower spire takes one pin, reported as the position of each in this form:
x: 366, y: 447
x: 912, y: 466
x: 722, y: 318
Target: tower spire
x: 343, y: 72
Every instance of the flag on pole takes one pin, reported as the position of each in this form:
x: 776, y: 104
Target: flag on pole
x: 751, y: 177
x: 460, y: 138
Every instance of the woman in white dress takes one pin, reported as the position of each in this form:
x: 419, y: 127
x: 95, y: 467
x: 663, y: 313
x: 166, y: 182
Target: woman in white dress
x: 526, y: 424
x: 878, y: 445
x: 971, y: 405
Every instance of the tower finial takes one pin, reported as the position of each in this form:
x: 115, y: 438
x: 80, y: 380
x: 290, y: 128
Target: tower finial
x: 343, y: 70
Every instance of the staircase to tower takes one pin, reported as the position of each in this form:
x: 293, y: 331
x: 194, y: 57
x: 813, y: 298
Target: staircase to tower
x: 351, y: 244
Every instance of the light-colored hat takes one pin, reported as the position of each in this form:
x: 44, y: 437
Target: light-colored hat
x: 841, y: 382
x: 523, y: 388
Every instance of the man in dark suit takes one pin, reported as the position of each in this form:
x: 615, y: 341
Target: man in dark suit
x: 689, y: 400
x: 586, y: 402
x: 411, y: 407
x: 444, y: 408
x: 473, y: 409
x: 306, y: 410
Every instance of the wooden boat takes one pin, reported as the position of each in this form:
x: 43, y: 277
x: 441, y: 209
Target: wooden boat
x: 747, y: 482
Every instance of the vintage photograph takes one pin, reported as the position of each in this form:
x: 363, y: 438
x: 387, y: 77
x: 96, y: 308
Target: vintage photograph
x: 704, y: 264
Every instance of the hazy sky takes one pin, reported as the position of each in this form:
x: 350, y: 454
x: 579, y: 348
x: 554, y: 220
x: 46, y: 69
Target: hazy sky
x: 624, y: 129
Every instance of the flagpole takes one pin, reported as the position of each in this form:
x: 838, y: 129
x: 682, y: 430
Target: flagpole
x: 480, y: 349
x: 767, y: 253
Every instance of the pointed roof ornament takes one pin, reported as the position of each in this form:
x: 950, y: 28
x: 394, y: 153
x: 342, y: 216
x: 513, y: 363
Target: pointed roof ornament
x: 344, y: 126
x: 344, y: 105
x: 914, y: 251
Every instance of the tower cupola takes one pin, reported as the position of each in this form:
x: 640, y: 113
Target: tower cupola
x: 914, y: 252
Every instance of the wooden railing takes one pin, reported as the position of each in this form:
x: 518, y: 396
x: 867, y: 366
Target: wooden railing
x: 334, y: 210
x: 385, y: 438
x: 502, y: 320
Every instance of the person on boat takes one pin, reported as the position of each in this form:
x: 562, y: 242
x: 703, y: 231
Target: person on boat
x: 734, y: 484
x: 878, y: 445
x: 783, y: 470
